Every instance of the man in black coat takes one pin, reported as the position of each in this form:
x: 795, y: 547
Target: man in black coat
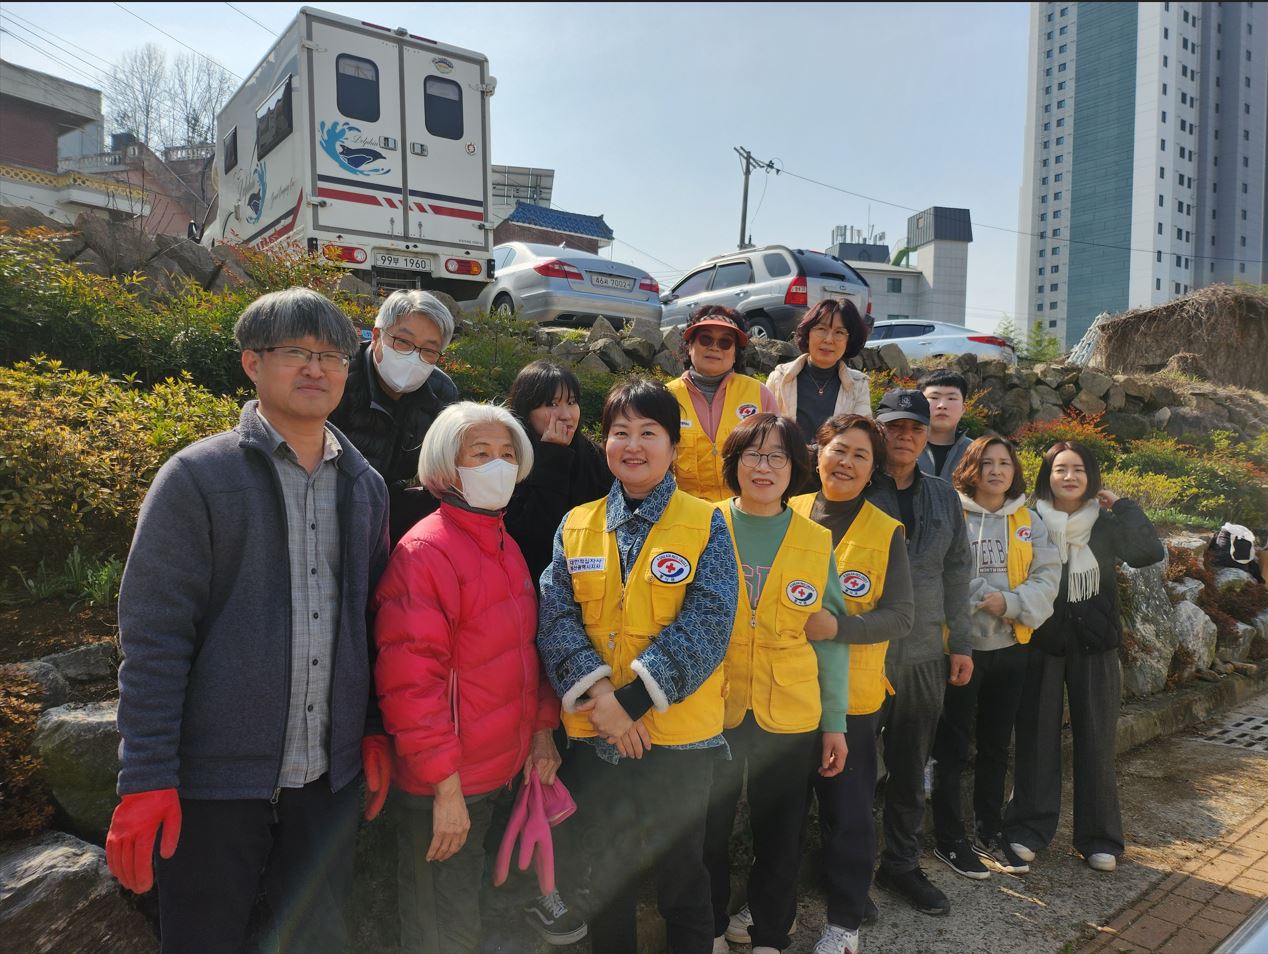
x: 394, y: 392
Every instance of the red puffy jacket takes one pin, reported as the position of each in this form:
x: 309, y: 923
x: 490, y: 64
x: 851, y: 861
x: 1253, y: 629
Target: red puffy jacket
x: 457, y: 672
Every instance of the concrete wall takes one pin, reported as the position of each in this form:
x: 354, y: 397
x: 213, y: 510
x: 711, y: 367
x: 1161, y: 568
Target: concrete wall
x: 945, y: 266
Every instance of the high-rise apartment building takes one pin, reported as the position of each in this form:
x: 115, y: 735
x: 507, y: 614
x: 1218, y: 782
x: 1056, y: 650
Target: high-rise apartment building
x: 1144, y: 174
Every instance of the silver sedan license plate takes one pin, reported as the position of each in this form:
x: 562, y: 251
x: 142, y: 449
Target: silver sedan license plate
x: 619, y: 282
x: 415, y: 263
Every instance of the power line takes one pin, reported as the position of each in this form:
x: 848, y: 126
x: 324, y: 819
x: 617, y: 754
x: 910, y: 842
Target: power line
x: 648, y: 254
x: 176, y: 40
x: 251, y: 18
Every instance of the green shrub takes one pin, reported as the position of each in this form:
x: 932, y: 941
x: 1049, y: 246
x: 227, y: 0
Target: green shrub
x: 1038, y: 436
x: 1221, y: 484
x: 1153, y: 491
x: 78, y: 452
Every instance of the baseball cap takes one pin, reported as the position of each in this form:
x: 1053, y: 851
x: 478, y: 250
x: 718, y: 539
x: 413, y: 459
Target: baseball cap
x: 722, y: 323
x: 902, y: 405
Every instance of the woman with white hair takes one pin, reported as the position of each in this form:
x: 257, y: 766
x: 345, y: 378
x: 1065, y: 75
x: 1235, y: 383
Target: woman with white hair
x: 395, y: 390
x: 457, y: 672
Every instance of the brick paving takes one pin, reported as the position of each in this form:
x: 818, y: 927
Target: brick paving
x: 1194, y: 909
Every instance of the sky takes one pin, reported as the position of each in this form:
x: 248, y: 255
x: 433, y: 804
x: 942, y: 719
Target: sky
x: 638, y: 107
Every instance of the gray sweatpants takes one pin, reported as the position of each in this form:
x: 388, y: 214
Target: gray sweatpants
x: 1094, y: 686
x: 909, y: 721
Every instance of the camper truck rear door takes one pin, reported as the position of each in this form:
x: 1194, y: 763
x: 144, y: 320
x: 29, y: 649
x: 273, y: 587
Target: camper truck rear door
x: 356, y: 118
x: 446, y: 119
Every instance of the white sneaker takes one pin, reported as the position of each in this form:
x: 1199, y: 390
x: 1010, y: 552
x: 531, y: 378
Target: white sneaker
x: 1021, y: 851
x: 1102, y: 861
x: 837, y: 940
x: 741, y: 921
x: 720, y: 946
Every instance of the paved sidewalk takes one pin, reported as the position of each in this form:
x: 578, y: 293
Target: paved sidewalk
x: 1197, y: 907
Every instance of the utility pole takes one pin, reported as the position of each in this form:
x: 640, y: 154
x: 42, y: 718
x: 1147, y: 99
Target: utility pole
x: 748, y: 164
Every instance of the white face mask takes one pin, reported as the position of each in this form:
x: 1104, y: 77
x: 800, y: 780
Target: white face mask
x: 402, y: 373
x: 489, y: 486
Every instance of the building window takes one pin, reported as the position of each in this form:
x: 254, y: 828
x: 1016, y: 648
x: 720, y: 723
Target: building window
x: 1040, y: 269
x: 1177, y: 284
x: 1056, y: 196
x: 1060, y: 86
x: 1048, y: 35
x: 1164, y: 59
x: 894, y: 286
x: 1043, y: 199
x: 1166, y: 34
x: 1048, y: 53
x: 1184, y: 69
x: 1057, y: 177
x: 1056, y: 214
x: 1157, y: 284
x: 1065, y: 10
x: 1047, y: 107
x: 1178, y: 261
x: 1047, y: 126
x: 1158, y: 255
x: 1043, y: 235
x: 1043, y: 163
x: 1159, y: 228
x: 1162, y: 172
x: 1045, y: 143
x: 1063, y: 47
x: 1184, y: 97
x: 1061, y: 68
x: 1043, y: 181
x: 1051, y: 287
x: 1164, y: 115
x: 1065, y: 29
x: 1056, y: 233
x: 1162, y: 203
x: 1061, y: 140
x: 1242, y: 241
x: 1038, y: 306
x: 1052, y: 306
x: 1163, y: 146
x: 1039, y: 290
x: 1060, y: 121
x: 1060, y: 159
x: 1184, y: 42
x: 1179, y: 235
x: 1052, y: 324
x: 1054, y: 269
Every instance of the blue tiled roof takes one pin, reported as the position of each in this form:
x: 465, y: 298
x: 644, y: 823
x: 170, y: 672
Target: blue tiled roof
x: 557, y: 220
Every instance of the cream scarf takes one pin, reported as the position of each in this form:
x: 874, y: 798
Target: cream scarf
x: 1069, y: 533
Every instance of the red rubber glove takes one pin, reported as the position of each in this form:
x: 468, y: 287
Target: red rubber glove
x: 376, y: 757
x: 133, y: 828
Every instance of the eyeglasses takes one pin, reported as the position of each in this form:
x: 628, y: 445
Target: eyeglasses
x: 723, y: 343
x: 775, y: 460
x: 401, y: 346
x: 293, y: 356
x: 823, y: 331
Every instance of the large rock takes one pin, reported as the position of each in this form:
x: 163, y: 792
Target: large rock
x: 1125, y: 427
x: 79, y: 745
x: 668, y: 362
x: 1186, y: 590
x: 1088, y: 403
x: 673, y: 340
x: 19, y: 218
x: 1014, y: 410
x: 57, y: 895
x: 592, y: 362
x: 1115, y: 398
x: 570, y: 350
x: 1050, y: 375
x: 601, y: 330
x: 89, y: 261
x: 1194, y: 545
x: 609, y: 350
x: 363, y: 292
x: 1185, y: 421
x: 123, y: 245
x: 1197, y: 633
x: 1261, y: 625
x: 54, y: 689
x: 92, y: 663
x: 648, y: 330
x: 1236, y: 648
x: 992, y: 368
x: 639, y: 350
x: 1231, y: 578
x: 1149, y: 640
x: 196, y: 262
x: 895, y: 360
x: 230, y: 272
x: 1094, y: 382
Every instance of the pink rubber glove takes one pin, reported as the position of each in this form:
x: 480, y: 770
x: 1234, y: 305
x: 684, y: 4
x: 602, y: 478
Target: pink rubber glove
x: 376, y: 757
x: 536, y: 842
x: 133, y: 828
x: 514, y: 825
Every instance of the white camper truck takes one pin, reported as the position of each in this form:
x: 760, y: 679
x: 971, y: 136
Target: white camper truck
x: 366, y: 145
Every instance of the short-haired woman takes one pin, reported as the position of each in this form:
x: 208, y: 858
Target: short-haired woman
x: 875, y: 580
x: 636, y: 613
x: 714, y: 395
x: 568, y: 469
x: 787, y: 678
x: 820, y: 385
x: 457, y: 672
x: 1011, y: 594
x: 1092, y: 530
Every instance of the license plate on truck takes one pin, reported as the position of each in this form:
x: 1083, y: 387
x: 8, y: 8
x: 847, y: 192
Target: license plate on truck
x: 414, y: 263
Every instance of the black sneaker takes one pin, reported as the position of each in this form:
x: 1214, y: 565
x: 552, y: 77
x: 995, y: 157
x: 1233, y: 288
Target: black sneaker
x: 959, y: 857
x: 913, y: 887
x: 553, y: 921
x: 870, y: 913
x: 996, y: 851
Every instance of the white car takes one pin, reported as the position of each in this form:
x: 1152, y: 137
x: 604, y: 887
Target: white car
x: 936, y: 339
x: 556, y: 285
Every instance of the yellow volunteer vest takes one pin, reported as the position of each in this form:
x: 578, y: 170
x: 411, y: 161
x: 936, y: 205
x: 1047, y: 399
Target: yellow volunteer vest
x: 622, y: 621
x: 862, y: 562
x: 770, y: 666
x: 1020, y: 554
x: 698, y: 466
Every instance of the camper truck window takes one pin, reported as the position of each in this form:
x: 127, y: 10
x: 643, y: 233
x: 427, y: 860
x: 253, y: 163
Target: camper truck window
x: 273, y: 119
x: 357, y: 87
x: 442, y: 107
x: 231, y: 149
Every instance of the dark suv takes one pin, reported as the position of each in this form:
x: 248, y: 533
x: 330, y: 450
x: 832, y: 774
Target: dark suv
x: 770, y: 286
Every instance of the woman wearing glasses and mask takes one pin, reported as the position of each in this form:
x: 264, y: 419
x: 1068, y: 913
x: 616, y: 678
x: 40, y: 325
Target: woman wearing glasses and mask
x: 786, y: 697
x: 395, y: 391
x: 715, y: 395
x: 820, y: 385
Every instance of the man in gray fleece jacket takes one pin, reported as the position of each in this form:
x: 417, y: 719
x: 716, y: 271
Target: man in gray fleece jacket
x: 245, y: 694
x: 919, y: 667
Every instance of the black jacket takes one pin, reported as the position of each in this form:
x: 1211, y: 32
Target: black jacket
x: 1094, y: 625
x: 389, y: 433
x: 562, y: 478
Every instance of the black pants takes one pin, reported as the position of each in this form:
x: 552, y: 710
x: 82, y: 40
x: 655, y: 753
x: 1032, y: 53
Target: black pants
x: 439, y: 900
x: 909, y: 720
x: 299, y: 851
x: 779, y: 769
x: 845, y: 820
x: 988, y: 703
x: 1093, y: 684
x: 639, y: 815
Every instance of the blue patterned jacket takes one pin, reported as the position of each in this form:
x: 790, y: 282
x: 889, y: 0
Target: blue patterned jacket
x: 685, y: 653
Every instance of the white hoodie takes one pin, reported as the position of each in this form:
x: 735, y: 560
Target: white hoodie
x: 1031, y: 602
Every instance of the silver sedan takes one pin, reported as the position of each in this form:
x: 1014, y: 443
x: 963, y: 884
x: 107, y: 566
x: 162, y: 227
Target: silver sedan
x: 553, y: 284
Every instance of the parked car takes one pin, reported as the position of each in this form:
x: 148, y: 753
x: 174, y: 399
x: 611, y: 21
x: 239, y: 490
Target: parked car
x: 770, y: 286
x: 934, y: 339
x: 553, y: 284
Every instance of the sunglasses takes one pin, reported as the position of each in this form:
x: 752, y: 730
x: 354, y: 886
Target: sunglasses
x: 722, y: 343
